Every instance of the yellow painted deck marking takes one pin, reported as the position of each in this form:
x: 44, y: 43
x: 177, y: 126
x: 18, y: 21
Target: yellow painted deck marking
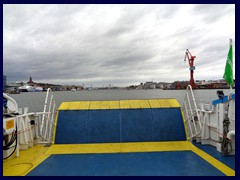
x: 124, y: 104
x: 134, y: 104
x: 155, y: 146
x: 217, y: 164
x: 114, y: 104
x: 154, y: 103
x: 84, y: 105
x: 64, y: 106
x: 94, y: 105
x: 138, y: 104
x: 119, y: 147
x: 174, y: 103
x: 74, y: 105
x: 144, y: 104
x: 104, y: 105
x: 27, y: 161
x: 164, y: 103
x: 138, y: 147
x: 31, y: 158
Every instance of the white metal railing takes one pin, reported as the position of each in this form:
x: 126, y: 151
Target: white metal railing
x: 34, y: 127
x: 28, y: 133
x: 192, y: 118
x: 48, y: 115
x: 12, y: 104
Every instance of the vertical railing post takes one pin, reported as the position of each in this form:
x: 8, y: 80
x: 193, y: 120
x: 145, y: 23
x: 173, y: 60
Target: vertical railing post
x: 190, y: 109
x: 44, y: 110
x: 47, y: 117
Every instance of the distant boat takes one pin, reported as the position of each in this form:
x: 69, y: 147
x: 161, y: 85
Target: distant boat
x: 28, y: 88
x: 38, y: 89
x: 73, y: 90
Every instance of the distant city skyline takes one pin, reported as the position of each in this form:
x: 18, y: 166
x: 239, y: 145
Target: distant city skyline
x: 30, y: 81
x: 15, y: 88
x: 115, y: 44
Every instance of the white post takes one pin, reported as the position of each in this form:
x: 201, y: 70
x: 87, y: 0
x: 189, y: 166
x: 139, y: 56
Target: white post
x: 230, y: 43
x: 44, y: 110
x: 17, y: 142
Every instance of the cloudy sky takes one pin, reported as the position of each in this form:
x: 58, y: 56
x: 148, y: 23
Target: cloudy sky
x: 115, y: 44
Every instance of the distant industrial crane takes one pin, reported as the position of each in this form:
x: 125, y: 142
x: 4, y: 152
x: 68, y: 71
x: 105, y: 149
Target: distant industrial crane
x: 190, y: 58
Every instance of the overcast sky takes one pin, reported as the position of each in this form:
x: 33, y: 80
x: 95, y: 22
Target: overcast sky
x: 115, y: 44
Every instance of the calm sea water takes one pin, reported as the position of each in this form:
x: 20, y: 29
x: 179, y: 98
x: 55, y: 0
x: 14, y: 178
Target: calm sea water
x: 35, y: 100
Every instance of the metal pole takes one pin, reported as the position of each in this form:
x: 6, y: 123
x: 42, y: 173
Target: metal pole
x: 230, y: 44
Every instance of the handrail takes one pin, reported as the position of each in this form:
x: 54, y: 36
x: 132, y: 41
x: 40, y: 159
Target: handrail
x: 48, y: 116
x: 191, y: 113
x: 34, y: 125
x: 12, y: 100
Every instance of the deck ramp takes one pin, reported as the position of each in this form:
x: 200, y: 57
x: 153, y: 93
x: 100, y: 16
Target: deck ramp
x: 119, y: 121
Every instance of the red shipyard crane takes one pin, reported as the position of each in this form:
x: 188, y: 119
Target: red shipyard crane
x: 190, y: 58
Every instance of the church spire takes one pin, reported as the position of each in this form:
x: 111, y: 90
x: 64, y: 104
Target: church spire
x: 30, y: 80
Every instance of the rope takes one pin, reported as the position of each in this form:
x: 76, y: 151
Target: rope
x: 226, y: 141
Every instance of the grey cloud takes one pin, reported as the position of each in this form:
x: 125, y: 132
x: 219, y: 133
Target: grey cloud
x: 212, y: 13
x: 70, y: 44
x: 167, y: 12
x: 128, y: 58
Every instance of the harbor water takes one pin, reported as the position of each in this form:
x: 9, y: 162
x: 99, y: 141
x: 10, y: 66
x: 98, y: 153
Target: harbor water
x: 35, y: 100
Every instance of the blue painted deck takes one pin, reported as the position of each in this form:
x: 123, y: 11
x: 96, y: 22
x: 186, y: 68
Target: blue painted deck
x: 184, y: 163
x: 119, y: 125
x: 121, y: 122
x: 211, y: 150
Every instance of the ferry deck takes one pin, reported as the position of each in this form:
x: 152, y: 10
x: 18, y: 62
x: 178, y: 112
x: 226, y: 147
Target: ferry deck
x: 120, y: 138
